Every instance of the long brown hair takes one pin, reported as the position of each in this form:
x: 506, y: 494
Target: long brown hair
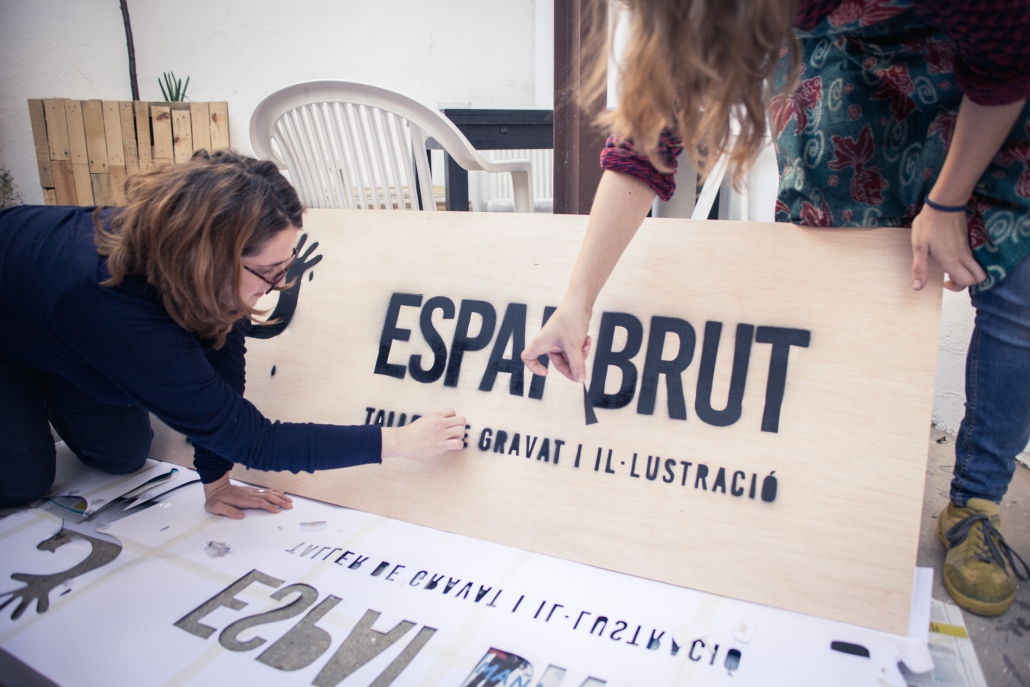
x: 185, y: 227
x: 690, y: 65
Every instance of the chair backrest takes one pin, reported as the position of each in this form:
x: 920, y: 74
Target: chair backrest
x: 351, y: 145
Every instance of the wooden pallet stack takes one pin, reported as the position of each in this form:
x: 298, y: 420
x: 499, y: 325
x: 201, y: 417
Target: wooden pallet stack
x: 85, y: 149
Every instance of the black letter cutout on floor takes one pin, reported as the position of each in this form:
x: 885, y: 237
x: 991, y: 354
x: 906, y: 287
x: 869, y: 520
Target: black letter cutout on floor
x: 363, y: 644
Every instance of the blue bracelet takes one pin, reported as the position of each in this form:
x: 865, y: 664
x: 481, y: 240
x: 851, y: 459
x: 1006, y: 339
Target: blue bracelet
x: 944, y: 208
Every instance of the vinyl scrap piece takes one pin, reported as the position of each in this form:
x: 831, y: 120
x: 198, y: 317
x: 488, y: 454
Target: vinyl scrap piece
x: 217, y: 549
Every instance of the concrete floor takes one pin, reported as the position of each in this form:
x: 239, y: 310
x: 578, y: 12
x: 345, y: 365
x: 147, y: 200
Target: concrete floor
x: 1002, y: 643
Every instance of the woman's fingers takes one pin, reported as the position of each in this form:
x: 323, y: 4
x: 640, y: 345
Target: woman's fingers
x: 953, y: 286
x: 570, y: 360
x: 253, y: 500
x: 220, y: 507
x: 920, y: 255
x: 263, y: 504
x: 232, y: 512
x: 975, y: 269
x: 453, y: 420
x: 272, y: 496
x: 963, y: 271
x: 581, y: 373
x: 232, y: 500
x: 271, y: 491
x: 533, y: 364
x: 573, y: 363
x: 944, y: 237
x: 279, y: 500
x: 959, y: 278
x: 530, y: 357
x: 431, y: 435
x: 454, y: 436
x: 565, y: 343
x: 561, y: 363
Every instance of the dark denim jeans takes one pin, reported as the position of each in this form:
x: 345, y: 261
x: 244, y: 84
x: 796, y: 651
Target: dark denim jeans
x: 996, y: 426
x: 110, y: 437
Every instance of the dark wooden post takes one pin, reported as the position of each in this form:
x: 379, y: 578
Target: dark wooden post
x: 577, y: 140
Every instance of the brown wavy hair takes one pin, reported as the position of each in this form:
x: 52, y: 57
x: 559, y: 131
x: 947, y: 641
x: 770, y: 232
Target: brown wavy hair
x: 185, y: 228
x: 689, y: 65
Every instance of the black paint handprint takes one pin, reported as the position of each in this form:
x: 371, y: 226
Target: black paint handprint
x: 287, y: 305
x: 38, y: 587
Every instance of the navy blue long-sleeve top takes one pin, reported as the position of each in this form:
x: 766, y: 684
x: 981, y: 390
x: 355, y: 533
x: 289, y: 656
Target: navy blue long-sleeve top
x: 120, y: 346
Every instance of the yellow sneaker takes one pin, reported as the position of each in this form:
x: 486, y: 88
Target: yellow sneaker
x: 980, y: 569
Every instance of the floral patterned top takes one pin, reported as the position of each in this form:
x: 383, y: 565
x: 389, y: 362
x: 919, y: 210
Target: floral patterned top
x: 862, y: 138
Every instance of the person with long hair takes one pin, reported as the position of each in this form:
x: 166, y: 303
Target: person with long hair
x: 110, y: 314
x: 884, y: 113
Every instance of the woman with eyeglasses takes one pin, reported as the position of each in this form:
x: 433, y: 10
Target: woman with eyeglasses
x: 111, y: 314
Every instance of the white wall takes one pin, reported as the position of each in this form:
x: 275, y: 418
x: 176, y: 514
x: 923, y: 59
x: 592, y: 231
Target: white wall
x: 459, y: 50
x: 956, y: 328
x: 957, y: 317
x: 543, y: 51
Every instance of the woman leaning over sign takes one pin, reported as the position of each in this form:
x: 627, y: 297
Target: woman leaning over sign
x: 887, y: 113
x: 112, y: 314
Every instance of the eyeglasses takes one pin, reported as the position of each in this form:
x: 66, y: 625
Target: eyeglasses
x: 278, y: 277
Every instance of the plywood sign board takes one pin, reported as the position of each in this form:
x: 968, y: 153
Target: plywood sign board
x: 762, y: 395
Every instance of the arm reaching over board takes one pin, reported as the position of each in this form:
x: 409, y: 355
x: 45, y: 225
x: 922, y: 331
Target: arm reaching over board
x: 619, y: 208
x: 426, y: 437
x: 932, y: 133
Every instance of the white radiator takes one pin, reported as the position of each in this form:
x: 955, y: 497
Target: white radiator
x: 493, y: 192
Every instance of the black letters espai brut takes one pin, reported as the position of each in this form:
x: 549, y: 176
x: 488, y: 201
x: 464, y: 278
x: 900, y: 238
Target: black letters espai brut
x: 305, y: 642
x: 477, y: 326
x: 474, y: 330
x: 655, y: 366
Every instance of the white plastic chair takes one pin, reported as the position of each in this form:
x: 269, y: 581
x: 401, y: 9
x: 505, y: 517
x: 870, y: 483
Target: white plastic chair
x: 351, y: 145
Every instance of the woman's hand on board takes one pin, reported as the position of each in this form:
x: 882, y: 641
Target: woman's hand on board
x: 428, y: 436
x: 944, y: 236
x: 564, y: 341
x: 980, y: 131
x: 228, y: 499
